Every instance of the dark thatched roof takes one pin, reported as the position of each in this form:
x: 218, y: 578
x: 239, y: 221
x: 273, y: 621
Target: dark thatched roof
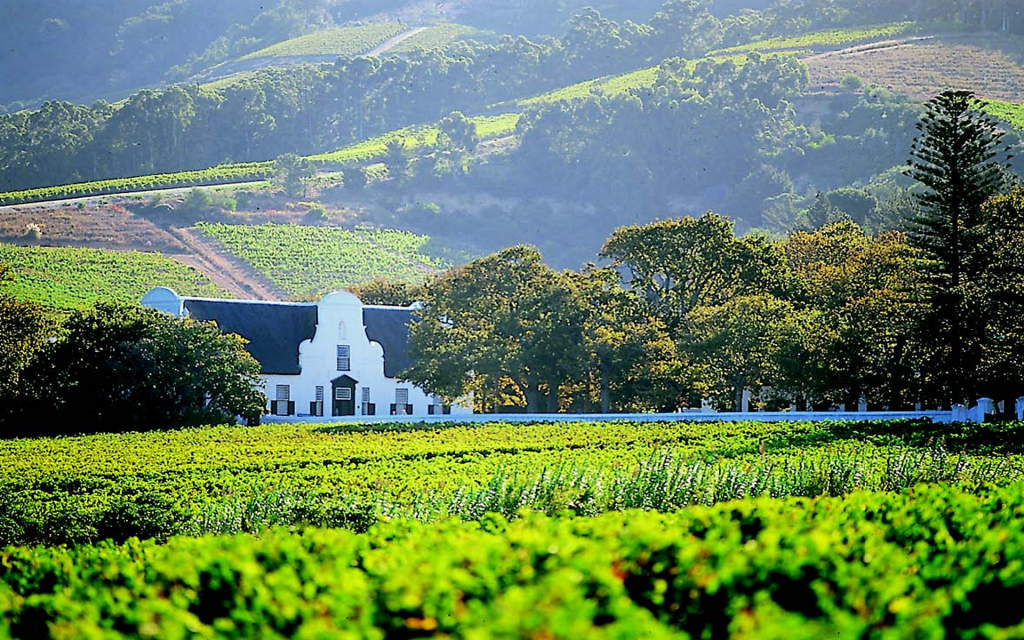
x: 389, y: 326
x: 274, y: 331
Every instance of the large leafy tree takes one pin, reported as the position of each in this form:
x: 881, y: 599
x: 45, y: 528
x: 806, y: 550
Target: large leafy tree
x: 735, y: 346
x: 120, y: 367
x: 504, y: 327
x: 398, y: 161
x: 680, y: 264
x: 1002, y: 363
x: 864, y: 294
x: 631, y: 357
x: 293, y: 173
x: 958, y: 158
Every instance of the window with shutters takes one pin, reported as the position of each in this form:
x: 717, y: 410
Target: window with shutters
x: 283, y: 395
x: 344, y: 357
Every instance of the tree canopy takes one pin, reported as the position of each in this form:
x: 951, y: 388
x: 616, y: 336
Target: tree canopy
x: 115, y: 367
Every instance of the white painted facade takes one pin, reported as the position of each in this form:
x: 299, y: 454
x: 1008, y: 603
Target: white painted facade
x: 340, y: 324
x: 341, y: 371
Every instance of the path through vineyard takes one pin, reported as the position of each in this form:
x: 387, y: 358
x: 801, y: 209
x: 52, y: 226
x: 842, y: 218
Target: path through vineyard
x: 394, y: 41
x: 226, y: 271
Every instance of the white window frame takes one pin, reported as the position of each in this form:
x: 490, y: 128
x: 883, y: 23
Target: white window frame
x: 283, y: 395
x: 319, y: 400
x: 343, y: 393
x: 344, y: 357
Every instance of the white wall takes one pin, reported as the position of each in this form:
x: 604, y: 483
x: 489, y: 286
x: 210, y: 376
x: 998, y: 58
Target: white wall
x: 755, y: 416
x: 340, y: 322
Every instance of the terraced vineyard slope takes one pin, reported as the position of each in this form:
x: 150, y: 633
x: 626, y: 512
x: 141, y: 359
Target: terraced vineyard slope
x: 72, y: 278
x: 340, y: 41
x: 438, y: 36
x: 309, y: 261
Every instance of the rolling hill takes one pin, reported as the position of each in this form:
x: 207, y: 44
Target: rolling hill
x: 74, y: 278
x: 900, y: 57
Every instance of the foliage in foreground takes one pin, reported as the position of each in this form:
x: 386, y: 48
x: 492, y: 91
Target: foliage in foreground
x: 932, y: 562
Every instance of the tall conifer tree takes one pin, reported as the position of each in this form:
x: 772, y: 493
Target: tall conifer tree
x: 958, y: 158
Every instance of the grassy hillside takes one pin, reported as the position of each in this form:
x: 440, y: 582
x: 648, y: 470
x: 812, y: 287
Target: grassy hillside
x: 438, y: 36
x: 70, y: 278
x: 828, y: 39
x: 309, y: 261
x: 340, y: 41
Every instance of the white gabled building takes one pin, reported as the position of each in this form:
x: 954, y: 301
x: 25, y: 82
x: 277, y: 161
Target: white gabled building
x: 335, y: 357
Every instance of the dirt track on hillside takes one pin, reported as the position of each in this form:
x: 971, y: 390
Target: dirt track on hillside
x: 223, y: 269
x: 990, y: 65
x: 394, y: 41
x: 861, y: 49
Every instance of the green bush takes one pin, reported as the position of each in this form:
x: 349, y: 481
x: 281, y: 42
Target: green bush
x: 851, y: 83
x: 148, y: 515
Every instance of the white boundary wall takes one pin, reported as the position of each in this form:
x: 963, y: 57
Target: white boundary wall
x: 687, y: 416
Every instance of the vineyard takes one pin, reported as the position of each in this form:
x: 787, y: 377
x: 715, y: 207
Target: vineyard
x: 310, y: 261
x: 340, y: 41
x: 244, y: 172
x: 624, y: 83
x: 231, y: 480
x: 830, y: 39
x: 69, y: 278
x: 612, y: 85
x: 435, y: 37
x: 415, y: 139
x: 555, y: 530
x: 1008, y: 112
x: 374, y: 148
x: 488, y: 127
